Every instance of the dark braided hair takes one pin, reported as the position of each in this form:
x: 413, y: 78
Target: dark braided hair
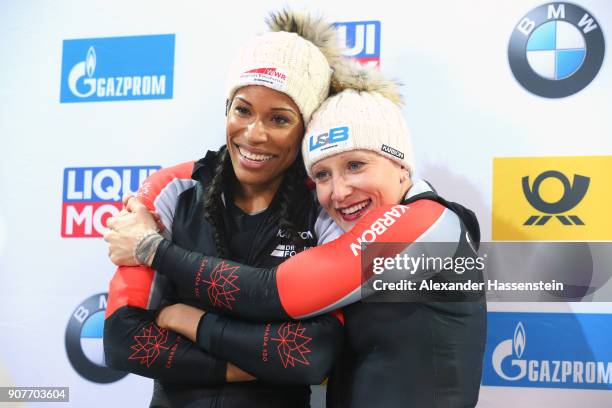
x: 294, y: 198
x: 213, y: 205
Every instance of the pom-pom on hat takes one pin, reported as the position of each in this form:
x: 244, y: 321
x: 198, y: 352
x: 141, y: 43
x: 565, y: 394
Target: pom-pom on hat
x: 363, y: 113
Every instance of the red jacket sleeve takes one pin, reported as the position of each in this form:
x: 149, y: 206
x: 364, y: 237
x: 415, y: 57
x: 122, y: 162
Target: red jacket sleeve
x: 132, y: 340
x: 134, y: 343
x: 312, y: 282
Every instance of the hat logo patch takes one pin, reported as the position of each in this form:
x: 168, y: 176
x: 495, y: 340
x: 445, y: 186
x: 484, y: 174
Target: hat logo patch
x: 392, y: 151
x: 271, y: 77
x: 328, y: 139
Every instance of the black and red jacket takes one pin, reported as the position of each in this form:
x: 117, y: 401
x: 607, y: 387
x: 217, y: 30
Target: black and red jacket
x: 284, y: 355
x: 422, y: 354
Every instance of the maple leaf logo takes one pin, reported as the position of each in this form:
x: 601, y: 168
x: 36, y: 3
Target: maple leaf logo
x: 221, y: 287
x: 292, y: 344
x: 149, y: 344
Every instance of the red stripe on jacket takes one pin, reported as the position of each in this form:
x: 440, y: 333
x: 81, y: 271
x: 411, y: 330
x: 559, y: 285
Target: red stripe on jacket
x: 131, y: 285
x: 333, y: 271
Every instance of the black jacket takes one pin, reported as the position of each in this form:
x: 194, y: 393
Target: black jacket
x: 185, y: 374
x: 419, y: 353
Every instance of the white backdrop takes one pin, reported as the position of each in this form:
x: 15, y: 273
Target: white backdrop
x: 463, y: 105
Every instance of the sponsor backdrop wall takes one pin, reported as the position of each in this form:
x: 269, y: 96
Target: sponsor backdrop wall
x: 509, y: 107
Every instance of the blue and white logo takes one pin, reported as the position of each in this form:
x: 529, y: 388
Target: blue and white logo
x: 328, y: 139
x: 564, y: 350
x: 119, y: 68
x: 556, y: 50
x: 511, y: 348
x: 84, y: 344
x: 362, y: 40
x: 92, y: 334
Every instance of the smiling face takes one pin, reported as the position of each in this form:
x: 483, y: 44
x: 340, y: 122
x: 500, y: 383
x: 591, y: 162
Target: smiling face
x: 352, y: 183
x: 264, y: 131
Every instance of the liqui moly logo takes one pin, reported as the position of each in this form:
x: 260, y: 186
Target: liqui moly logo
x: 362, y: 40
x: 548, y: 350
x: 92, y: 194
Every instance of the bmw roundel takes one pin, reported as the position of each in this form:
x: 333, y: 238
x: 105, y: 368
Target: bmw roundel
x: 556, y: 50
x: 84, y: 341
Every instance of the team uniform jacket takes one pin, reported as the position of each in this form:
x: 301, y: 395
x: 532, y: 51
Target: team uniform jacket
x: 283, y: 354
x: 417, y: 354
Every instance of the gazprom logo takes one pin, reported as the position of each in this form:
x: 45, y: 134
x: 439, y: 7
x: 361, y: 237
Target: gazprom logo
x: 362, y: 40
x: 564, y: 350
x: 511, y: 348
x: 119, y: 68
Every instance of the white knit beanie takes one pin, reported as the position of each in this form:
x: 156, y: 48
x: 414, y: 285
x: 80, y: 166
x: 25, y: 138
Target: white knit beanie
x: 294, y: 59
x: 364, y: 114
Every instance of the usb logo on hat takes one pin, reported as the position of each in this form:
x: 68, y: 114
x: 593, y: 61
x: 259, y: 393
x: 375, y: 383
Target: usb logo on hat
x: 332, y: 136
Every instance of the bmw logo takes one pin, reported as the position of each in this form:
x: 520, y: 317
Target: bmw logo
x: 556, y: 50
x: 84, y: 341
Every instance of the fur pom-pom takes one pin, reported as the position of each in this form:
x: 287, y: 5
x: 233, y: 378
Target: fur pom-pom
x: 312, y: 28
x: 350, y: 74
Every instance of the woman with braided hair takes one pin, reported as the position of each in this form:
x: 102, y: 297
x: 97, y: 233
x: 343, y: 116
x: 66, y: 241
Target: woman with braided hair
x: 247, y: 202
x: 422, y: 353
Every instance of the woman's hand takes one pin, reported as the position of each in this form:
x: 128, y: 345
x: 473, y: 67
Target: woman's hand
x: 181, y: 318
x: 126, y: 230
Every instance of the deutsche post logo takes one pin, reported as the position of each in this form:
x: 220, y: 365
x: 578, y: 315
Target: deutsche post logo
x: 572, y: 195
x: 552, y: 198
